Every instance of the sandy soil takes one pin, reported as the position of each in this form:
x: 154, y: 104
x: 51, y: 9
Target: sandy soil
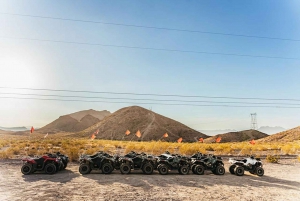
x: 280, y: 182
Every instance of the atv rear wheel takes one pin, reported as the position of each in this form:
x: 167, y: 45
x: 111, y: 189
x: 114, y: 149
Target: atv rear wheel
x: 239, y: 171
x: 125, y: 168
x: 231, y: 169
x: 260, y: 171
x: 26, y: 169
x: 107, y: 168
x: 50, y: 168
x: 220, y: 170
x: 199, y: 169
x: 163, y: 169
x: 184, y: 169
x: 84, y: 169
x: 148, y: 168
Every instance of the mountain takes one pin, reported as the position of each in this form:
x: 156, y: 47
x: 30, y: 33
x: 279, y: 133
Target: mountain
x: 151, y: 125
x: 271, y: 130
x: 285, y: 136
x: 238, y: 136
x: 75, y: 122
x: 22, y: 128
x: 215, y: 132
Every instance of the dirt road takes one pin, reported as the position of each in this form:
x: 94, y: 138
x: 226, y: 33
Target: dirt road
x: 280, y: 182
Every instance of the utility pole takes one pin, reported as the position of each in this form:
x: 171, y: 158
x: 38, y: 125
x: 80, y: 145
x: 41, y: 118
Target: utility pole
x: 253, y: 121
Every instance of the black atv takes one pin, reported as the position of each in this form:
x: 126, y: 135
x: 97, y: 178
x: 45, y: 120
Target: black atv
x: 200, y: 163
x: 135, y: 161
x: 99, y: 161
x: 166, y: 162
x: 64, y: 159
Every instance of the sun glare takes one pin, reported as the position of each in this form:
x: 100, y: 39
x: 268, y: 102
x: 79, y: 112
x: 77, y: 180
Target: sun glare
x: 17, y: 71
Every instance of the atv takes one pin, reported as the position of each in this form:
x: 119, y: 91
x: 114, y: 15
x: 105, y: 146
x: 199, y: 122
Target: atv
x: 135, y: 161
x: 166, y: 162
x: 251, y: 164
x: 64, y: 159
x: 200, y: 163
x: 99, y: 161
x: 45, y: 163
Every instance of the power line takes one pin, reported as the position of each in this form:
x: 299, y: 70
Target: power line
x: 150, y: 48
x: 154, y: 27
x: 150, y: 94
x: 73, y: 100
x: 137, y: 99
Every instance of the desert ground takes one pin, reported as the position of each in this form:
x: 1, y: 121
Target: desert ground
x: 280, y: 182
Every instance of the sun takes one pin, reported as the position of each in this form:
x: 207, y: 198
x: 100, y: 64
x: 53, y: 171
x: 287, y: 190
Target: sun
x: 17, y: 69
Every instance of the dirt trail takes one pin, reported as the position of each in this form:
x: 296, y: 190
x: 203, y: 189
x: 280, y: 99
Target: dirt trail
x: 149, y: 126
x: 280, y: 182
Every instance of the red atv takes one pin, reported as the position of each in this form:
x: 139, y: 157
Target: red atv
x: 46, y: 163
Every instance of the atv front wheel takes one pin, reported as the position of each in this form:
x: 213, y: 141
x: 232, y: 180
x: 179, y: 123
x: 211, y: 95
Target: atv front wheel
x: 239, y: 171
x: 231, y: 169
x: 260, y: 171
x: 26, y: 169
x: 50, y: 168
x: 163, y: 169
x: 107, y: 168
x: 125, y: 168
x: 199, y: 169
x: 84, y: 169
x: 184, y: 169
x: 148, y: 168
x: 220, y: 170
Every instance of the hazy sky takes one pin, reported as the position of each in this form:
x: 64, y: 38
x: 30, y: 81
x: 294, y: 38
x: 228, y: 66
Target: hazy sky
x: 37, y: 64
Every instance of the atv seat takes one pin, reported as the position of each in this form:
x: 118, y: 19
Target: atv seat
x: 39, y: 160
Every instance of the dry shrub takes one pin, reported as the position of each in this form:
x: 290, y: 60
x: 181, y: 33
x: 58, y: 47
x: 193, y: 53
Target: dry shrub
x: 272, y: 158
x: 73, y: 153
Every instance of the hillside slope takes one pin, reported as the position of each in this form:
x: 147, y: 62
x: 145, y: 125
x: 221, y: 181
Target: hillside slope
x: 285, y: 136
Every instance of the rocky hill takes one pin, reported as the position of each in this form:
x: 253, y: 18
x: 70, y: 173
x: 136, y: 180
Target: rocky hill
x: 151, y: 125
x: 238, y: 136
x: 74, y: 122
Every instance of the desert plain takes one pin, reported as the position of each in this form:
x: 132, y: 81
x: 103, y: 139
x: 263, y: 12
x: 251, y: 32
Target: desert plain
x: 280, y: 182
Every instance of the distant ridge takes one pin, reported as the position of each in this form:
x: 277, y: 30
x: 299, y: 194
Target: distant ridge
x: 22, y: 128
x: 151, y: 125
x: 271, y: 130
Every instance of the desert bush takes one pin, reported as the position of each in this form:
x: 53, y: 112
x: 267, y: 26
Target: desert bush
x: 272, y: 158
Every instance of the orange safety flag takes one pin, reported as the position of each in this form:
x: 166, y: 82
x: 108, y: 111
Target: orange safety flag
x: 252, y: 142
x: 166, y: 135
x: 93, y: 136
x: 179, y: 140
x: 201, y: 140
x: 32, y: 129
x: 46, y: 135
x: 218, y: 139
x: 127, y: 132
x: 138, y: 134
